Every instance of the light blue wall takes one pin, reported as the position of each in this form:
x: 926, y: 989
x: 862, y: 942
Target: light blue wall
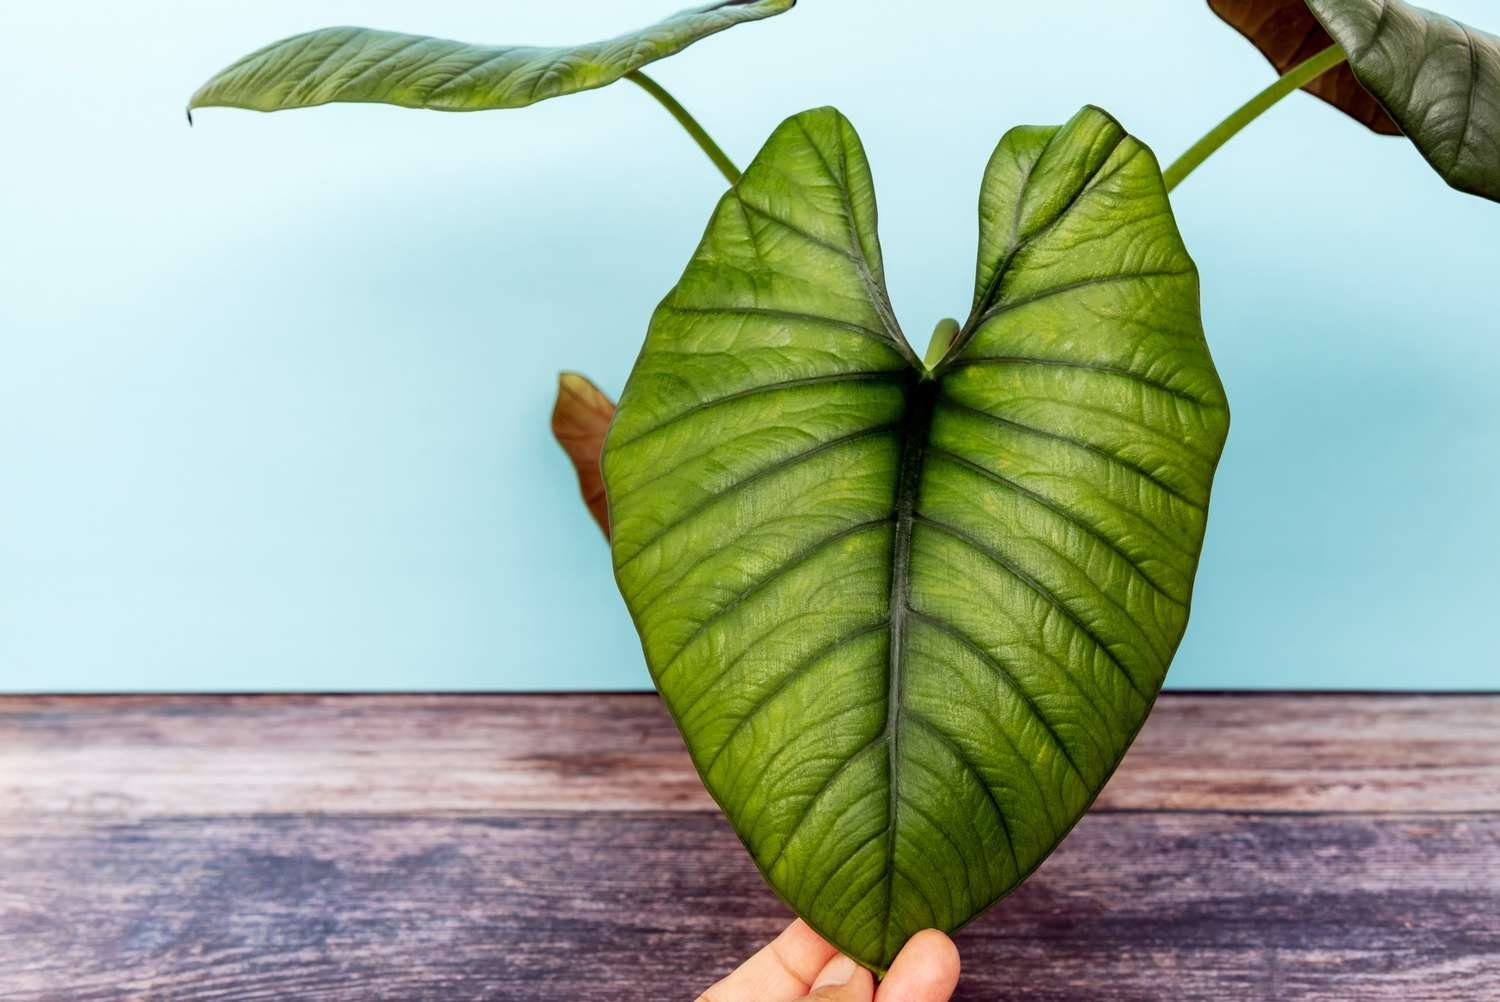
x: 274, y: 389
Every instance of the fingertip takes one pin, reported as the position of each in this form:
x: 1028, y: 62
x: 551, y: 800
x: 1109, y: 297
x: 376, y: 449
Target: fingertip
x: 802, y: 951
x: 938, y: 948
x: 804, y: 938
x: 842, y: 980
x: 801, y: 932
x: 926, y: 970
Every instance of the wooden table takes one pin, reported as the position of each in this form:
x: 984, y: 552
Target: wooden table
x: 560, y: 847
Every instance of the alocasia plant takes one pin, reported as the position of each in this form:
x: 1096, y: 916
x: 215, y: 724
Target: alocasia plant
x: 909, y: 610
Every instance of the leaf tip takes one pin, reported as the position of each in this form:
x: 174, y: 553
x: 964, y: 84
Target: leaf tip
x: 1094, y: 111
x: 575, y: 389
x: 198, y: 100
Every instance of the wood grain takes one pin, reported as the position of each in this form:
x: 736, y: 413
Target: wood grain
x: 560, y: 847
x: 139, y: 756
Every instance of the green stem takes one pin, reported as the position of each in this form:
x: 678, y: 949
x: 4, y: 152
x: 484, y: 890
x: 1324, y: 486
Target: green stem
x: 1296, y: 78
x: 700, y: 135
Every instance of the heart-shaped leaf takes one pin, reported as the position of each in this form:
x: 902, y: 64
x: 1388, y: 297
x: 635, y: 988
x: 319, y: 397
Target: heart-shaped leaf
x: 414, y: 71
x: 1287, y: 33
x: 1435, y: 79
x: 580, y: 419
x: 908, y: 619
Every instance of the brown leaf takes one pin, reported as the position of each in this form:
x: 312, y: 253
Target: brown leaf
x: 1287, y: 33
x: 580, y: 419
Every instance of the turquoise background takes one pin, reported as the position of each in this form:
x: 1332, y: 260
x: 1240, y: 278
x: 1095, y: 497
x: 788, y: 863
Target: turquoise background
x: 274, y: 391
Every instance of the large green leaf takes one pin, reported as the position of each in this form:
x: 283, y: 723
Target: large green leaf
x: 909, y: 620
x: 414, y: 71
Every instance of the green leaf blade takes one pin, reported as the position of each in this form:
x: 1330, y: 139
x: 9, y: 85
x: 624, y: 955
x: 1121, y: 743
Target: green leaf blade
x: 1439, y: 79
x: 909, y: 621
x: 364, y: 65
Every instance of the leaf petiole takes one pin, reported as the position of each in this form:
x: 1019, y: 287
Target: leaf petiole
x: 687, y: 121
x: 1296, y: 78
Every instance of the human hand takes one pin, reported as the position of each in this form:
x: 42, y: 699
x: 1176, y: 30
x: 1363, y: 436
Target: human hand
x: 800, y: 965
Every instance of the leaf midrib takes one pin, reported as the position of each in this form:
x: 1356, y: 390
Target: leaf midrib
x: 921, y: 399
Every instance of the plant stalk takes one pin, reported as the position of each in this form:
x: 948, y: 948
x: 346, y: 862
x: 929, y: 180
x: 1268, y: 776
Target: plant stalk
x: 700, y: 135
x: 1295, y: 79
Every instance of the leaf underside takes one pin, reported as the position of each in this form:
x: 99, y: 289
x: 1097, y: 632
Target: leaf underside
x: 907, y: 621
x: 1409, y: 71
x: 1439, y: 80
x: 580, y: 419
x: 415, y: 71
x: 1287, y: 33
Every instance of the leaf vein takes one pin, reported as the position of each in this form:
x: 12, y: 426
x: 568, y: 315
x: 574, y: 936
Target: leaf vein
x: 1061, y: 513
x: 777, y: 467
x: 787, y: 384
x: 1006, y: 306
x: 1097, y: 450
x: 1011, y: 683
x: 1040, y: 590
x: 963, y: 758
x: 782, y: 684
x: 817, y: 795
x: 1100, y: 367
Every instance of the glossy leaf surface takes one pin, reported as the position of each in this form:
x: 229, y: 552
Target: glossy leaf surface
x: 1410, y: 71
x: 580, y: 419
x: 1287, y: 33
x: 415, y: 71
x: 1439, y: 80
x: 909, y: 620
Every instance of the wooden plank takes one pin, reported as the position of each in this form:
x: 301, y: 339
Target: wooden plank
x: 542, y: 847
x: 144, y: 756
x: 588, y: 906
x: 138, y: 756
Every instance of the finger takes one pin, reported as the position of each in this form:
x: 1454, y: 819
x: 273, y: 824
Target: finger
x: 926, y: 970
x: 781, y: 971
x: 842, y: 980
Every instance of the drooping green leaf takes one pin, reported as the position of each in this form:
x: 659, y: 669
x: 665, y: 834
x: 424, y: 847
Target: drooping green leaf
x: 908, y: 619
x: 1439, y: 80
x: 1434, y: 79
x: 1287, y: 33
x: 580, y: 419
x: 414, y: 71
